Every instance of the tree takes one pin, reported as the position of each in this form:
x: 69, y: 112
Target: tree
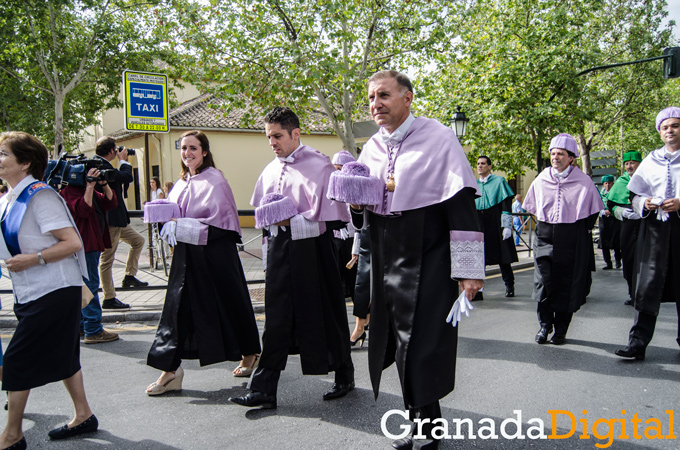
x: 308, y: 54
x: 514, y: 73
x: 70, y: 53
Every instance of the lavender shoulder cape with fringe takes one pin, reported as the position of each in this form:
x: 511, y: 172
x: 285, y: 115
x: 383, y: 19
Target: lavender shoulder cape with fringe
x: 207, y: 196
x: 567, y: 201
x: 430, y: 167
x: 305, y: 181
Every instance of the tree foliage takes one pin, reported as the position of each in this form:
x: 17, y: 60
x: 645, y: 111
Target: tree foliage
x: 308, y: 54
x: 69, y: 54
x: 514, y: 70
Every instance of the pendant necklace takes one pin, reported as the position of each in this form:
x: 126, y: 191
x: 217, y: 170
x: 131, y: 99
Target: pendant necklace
x: 390, y: 184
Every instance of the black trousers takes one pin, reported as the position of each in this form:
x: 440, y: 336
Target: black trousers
x: 643, y: 329
x: 507, y: 275
x: 606, y: 255
x: 267, y: 380
x: 548, y: 318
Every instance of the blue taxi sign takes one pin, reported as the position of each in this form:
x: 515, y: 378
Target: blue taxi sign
x: 146, y: 101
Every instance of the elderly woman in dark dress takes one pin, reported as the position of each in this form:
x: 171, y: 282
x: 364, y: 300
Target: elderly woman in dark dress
x: 39, y: 241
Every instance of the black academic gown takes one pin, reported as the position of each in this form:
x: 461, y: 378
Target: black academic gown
x: 216, y: 315
x: 304, y: 305
x: 343, y: 252
x: 610, y: 233
x: 412, y: 294
x: 656, y: 274
x: 496, y: 249
x: 628, y: 243
x: 362, y: 290
x: 564, y: 259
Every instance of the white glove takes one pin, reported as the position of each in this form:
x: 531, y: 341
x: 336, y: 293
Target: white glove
x: 629, y: 214
x: 344, y: 233
x: 661, y: 215
x: 507, y: 233
x: 461, y: 306
x: 168, y: 233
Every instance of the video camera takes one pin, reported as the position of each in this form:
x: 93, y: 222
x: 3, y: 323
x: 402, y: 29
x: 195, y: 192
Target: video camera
x: 131, y: 151
x: 73, y: 169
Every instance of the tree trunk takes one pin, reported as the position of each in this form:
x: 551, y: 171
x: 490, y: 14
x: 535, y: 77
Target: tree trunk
x: 585, y: 148
x: 58, y: 123
x: 538, y: 141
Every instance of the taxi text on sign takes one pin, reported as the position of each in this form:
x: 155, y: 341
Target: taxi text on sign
x: 146, y: 102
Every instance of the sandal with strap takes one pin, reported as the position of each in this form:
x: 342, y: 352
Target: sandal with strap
x: 173, y: 385
x: 243, y: 372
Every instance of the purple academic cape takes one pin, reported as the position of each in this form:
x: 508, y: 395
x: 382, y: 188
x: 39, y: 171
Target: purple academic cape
x: 207, y: 196
x: 429, y: 157
x: 568, y: 200
x: 305, y: 181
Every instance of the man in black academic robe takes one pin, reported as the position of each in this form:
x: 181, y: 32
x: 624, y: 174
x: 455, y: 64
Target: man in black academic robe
x: 425, y: 232
x: 655, y: 192
x: 304, y: 299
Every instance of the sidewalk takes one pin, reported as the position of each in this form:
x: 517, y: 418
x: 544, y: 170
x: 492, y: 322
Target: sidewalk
x: 146, y: 303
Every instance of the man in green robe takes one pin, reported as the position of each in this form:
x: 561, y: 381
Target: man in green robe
x: 610, y: 229
x: 494, y: 210
x: 618, y: 202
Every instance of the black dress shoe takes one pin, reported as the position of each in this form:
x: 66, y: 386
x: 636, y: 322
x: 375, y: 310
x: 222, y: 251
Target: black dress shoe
x: 607, y: 267
x: 130, y: 281
x: 19, y: 445
x: 628, y: 302
x: 114, y: 303
x: 410, y: 443
x: 90, y: 425
x: 631, y: 352
x: 510, y: 291
x: 560, y: 339
x: 256, y: 398
x: 542, y: 335
x: 618, y: 264
x: 338, y: 390
x: 403, y: 444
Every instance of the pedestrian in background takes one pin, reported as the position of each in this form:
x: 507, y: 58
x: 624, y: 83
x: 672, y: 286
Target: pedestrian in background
x: 610, y: 229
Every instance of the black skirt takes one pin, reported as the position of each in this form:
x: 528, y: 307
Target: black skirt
x: 46, y: 344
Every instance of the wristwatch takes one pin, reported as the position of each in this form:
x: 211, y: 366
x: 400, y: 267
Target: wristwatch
x: 41, y: 260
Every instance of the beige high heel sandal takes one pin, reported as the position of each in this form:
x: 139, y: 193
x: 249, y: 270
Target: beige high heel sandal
x: 173, y: 385
x: 244, y: 372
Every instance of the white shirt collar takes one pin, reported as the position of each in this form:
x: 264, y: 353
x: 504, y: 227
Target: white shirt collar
x: 557, y: 174
x: 670, y: 155
x: 484, y: 179
x: 397, y: 135
x: 290, y: 158
x: 21, y: 185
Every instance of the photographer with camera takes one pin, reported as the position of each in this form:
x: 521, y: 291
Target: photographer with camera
x: 119, y: 224
x: 88, y: 209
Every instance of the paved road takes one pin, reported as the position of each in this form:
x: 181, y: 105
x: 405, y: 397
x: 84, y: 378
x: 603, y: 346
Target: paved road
x: 500, y: 370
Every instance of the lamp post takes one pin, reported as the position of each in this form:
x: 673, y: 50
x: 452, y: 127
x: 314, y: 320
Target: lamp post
x: 459, y: 123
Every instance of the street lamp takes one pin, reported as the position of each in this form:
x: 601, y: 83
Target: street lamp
x: 459, y: 122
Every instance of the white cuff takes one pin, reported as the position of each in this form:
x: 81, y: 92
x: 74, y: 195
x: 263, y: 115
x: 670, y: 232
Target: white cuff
x: 467, y: 255
x: 190, y: 231
x: 638, y: 205
x: 265, y: 246
x: 506, y: 221
x: 356, y: 244
x: 301, y: 228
